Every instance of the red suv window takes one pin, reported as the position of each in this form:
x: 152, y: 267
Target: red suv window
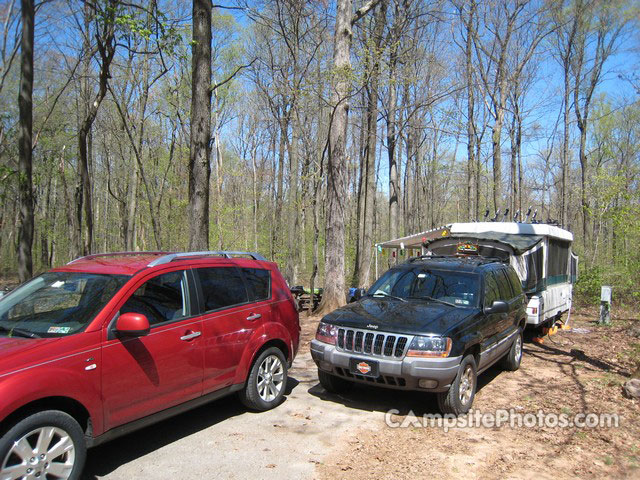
x: 163, y: 298
x: 259, y: 283
x: 221, y: 287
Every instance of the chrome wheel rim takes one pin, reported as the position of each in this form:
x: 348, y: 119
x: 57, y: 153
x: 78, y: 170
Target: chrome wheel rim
x: 518, y: 349
x: 44, y: 453
x: 270, y: 378
x: 465, y: 389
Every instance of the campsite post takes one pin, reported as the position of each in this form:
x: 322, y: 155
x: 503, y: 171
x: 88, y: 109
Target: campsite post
x: 605, y: 306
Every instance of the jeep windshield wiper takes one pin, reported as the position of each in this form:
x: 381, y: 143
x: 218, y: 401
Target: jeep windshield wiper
x: 426, y: 297
x: 388, y: 295
x: 18, y: 332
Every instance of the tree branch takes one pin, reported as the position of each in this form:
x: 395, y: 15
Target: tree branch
x: 230, y: 77
x: 363, y: 10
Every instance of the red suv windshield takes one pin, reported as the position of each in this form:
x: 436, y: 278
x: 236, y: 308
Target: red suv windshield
x: 56, y: 304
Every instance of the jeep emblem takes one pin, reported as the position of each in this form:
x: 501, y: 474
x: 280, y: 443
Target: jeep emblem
x: 371, y: 325
x: 364, y: 368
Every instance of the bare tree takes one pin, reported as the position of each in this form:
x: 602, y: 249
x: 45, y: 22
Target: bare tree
x: 367, y: 187
x: 25, y: 240
x: 601, y: 23
x: 199, y: 147
x: 334, y: 294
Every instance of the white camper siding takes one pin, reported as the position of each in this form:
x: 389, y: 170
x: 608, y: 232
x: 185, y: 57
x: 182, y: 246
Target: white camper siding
x: 549, y: 303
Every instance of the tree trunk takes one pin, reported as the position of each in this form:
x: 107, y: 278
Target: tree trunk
x: 369, y: 173
x: 391, y: 140
x: 471, y: 126
x: 293, y: 222
x: 106, y: 47
x: 25, y: 163
x: 199, y: 154
x: 334, y: 294
x: 564, y: 220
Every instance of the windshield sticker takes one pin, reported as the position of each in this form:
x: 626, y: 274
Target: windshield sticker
x: 59, y: 330
x: 460, y: 301
x: 57, y: 284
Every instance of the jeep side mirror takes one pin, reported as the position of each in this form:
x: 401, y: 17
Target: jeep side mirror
x: 498, y: 306
x: 132, y: 325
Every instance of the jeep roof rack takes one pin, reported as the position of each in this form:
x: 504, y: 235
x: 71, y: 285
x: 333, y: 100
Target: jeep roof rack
x: 481, y: 260
x: 223, y: 253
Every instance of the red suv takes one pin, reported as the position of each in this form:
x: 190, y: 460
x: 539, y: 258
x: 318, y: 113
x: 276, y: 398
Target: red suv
x: 114, y: 342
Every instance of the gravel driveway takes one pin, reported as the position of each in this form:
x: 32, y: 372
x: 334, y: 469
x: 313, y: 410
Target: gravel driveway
x: 223, y: 440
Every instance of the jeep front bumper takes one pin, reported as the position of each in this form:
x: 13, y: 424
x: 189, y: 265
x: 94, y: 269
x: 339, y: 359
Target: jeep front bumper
x: 404, y: 373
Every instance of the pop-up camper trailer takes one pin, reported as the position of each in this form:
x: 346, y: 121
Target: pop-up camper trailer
x: 540, y: 253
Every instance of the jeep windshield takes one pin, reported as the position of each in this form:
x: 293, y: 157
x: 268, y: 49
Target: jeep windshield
x: 457, y: 289
x: 56, y: 304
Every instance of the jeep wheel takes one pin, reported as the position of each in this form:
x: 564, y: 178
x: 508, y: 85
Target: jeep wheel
x: 512, y: 359
x: 47, y: 444
x: 333, y: 384
x: 460, y: 396
x: 267, y: 381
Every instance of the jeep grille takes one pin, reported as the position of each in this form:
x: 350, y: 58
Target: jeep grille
x: 372, y: 343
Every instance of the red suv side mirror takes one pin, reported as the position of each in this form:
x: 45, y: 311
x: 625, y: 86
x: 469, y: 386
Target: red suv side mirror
x: 132, y: 325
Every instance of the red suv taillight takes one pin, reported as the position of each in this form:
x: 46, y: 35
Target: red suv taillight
x: 327, y: 333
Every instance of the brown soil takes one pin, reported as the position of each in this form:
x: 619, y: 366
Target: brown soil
x: 576, y: 371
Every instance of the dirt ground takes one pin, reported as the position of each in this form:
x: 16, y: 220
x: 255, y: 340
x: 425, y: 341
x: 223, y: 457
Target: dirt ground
x: 329, y: 437
x: 576, y: 371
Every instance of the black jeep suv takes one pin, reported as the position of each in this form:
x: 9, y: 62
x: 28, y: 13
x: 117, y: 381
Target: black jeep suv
x: 431, y: 324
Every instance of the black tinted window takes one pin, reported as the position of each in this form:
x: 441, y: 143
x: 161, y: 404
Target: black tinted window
x: 221, y: 287
x: 504, y: 285
x: 459, y: 288
x: 160, y: 299
x: 491, y: 292
x: 259, y: 283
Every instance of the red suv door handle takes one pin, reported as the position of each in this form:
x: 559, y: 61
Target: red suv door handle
x: 190, y: 336
x: 253, y: 317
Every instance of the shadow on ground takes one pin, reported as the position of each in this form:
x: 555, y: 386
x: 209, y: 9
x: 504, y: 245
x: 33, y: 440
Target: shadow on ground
x: 106, y: 458
x: 377, y: 399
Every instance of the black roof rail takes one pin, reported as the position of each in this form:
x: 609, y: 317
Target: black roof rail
x: 481, y: 260
x: 423, y: 257
x: 167, y: 258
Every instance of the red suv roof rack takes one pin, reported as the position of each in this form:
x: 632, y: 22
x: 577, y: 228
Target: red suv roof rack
x: 113, y: 254
x: 224, y: 253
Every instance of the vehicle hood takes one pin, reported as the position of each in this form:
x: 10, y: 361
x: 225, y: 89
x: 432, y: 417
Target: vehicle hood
x: 415, y: 317
x: 16, y: 352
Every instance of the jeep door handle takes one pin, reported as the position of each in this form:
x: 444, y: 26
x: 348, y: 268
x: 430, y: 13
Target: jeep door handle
x: 253, y: 317
x: 190, y: 336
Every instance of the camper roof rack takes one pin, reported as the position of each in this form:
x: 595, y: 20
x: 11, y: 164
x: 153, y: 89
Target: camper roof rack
x: 222, y: 253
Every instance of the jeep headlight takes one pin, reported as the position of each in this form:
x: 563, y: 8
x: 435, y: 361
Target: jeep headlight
x: 327, y: 333
x: 430, y: 347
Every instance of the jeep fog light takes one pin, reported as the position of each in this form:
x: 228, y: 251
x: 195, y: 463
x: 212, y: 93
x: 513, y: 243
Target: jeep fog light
x: 426, y: 383
x: 430, y: 347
